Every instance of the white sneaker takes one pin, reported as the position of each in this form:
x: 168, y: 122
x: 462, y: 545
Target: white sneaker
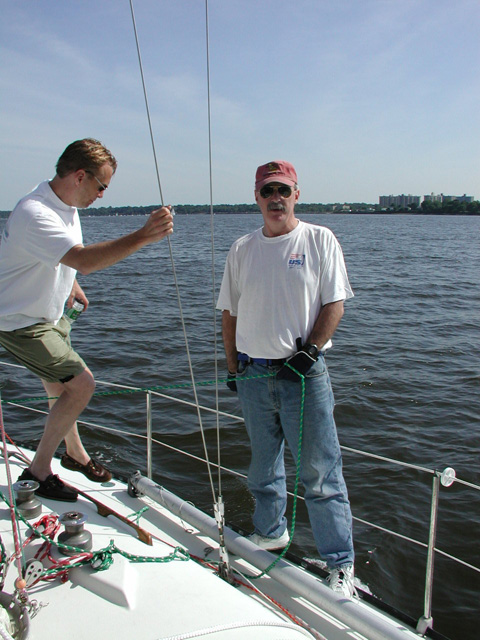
x: 341, y: 580
x: 270, y: 543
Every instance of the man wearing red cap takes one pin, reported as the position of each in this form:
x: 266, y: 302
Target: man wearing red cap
x: 282, y: 299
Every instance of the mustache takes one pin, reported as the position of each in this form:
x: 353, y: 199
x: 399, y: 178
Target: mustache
x: 275, y: 206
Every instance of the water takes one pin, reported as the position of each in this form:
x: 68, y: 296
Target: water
x: 404, y: 369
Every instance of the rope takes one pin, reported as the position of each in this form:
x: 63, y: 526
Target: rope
x: 99, y: 560
x: 301, y: 623
x: 297, y: 480
x: 129, y: 391
x: 297, y: 474
x: 3, y: 564
x: 4, y: 634
x: 15, y: 529
x: 138, y: 514
x: 236, y: 625
x: 211, y: 382
x: 247, y: 584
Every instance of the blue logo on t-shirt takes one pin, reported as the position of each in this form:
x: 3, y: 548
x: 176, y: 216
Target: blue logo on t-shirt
x: 296, y: 260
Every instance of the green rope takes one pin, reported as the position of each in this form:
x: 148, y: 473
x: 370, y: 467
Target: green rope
x: 3, y: 564
x: 102, y: 559
x: 297, y: 480
x: 138, y: 514
x: 120, y: 392
x: 3, y: 552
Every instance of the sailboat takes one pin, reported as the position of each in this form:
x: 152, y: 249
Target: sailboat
x: 132, y: 559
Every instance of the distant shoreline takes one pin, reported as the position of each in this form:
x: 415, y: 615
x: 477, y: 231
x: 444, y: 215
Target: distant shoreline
x: 242, y: 209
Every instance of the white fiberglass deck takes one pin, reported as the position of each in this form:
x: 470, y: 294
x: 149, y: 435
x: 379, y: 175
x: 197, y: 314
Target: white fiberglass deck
x: 180, y: 598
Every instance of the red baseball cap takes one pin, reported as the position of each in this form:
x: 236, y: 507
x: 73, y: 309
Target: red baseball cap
x: 276, y: 171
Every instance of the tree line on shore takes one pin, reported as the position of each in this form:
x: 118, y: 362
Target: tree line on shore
x: 453, y: 207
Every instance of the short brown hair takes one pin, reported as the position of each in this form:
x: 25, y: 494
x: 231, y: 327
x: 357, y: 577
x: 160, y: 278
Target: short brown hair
x: 88, y: 154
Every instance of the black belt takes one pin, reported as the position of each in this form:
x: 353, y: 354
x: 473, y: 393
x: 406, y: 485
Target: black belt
x: 271, y: 362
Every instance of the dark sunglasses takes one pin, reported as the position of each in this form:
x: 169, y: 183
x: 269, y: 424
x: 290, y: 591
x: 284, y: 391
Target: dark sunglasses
x: 268, y: 190
x: 102, y: 186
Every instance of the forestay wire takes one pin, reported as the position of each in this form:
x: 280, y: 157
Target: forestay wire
x: 170, y: 245
x: 212, y: 234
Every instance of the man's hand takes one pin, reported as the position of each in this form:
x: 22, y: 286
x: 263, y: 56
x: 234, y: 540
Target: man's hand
x: 301, y: 361
x: 77, y: 293
x: 159, y: 225
x: 231, y: 382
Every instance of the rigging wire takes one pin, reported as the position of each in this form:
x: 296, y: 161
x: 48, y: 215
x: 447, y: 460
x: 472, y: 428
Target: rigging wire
x: 219, y: 507
x: 177, y: 289
x: 212, y: 234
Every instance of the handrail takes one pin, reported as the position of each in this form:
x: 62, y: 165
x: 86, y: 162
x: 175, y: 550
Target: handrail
x: 232, y: 416
x: 385, y: 459
x: 238, y: 474
x: 446, y: 478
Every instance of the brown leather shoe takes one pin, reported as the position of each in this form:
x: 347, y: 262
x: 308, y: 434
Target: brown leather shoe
x: 93, y: 470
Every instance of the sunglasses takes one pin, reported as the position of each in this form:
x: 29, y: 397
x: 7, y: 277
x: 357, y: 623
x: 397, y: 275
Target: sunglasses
x: 268, y: 190
x: 102, y: 186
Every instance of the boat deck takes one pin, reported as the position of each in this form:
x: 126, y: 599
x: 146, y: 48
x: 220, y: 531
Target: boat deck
x: 141, y: 595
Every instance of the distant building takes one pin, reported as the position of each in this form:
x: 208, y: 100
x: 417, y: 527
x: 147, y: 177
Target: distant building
x: 399, y: 201
x: 433, y: 197
x: 463, y: 198
x: 404, y: 201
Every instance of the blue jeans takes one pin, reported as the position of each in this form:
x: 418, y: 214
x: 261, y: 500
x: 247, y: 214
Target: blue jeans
x: 271, y: 409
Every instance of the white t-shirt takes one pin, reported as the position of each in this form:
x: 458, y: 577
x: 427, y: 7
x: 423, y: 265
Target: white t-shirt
x: 277, y: 286
x: 33, y: 284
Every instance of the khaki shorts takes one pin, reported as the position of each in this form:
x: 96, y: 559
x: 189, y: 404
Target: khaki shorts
x: 45, y: 349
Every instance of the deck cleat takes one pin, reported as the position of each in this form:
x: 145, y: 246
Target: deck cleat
x: 74, y: 535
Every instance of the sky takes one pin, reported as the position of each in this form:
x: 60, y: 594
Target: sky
x: 364, y: 97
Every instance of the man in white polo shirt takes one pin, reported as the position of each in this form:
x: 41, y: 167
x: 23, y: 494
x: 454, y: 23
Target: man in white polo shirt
x: 282, y: 299
x: 40, y: 253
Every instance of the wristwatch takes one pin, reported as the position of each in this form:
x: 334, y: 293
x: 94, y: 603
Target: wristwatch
x: 311, y: 349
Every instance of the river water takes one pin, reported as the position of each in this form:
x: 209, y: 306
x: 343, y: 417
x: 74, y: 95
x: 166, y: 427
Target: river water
x: 404, y: 368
